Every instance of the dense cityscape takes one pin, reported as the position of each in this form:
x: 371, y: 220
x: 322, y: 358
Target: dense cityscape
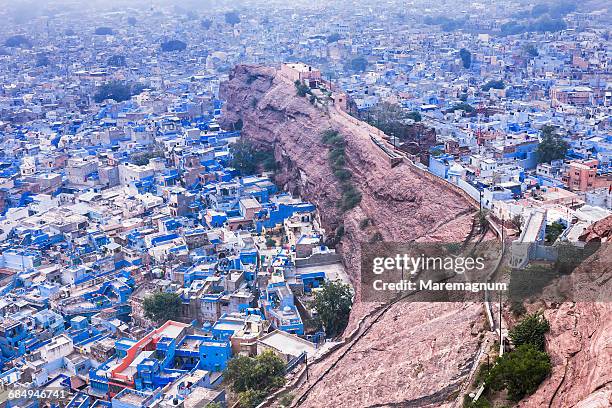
x: 167, y: 170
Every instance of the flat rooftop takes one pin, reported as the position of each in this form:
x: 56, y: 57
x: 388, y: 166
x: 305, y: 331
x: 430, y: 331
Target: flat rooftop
x: 288, y: 343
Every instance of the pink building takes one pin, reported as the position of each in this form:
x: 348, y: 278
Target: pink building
x: 302, y: 72
x: 580, y: 175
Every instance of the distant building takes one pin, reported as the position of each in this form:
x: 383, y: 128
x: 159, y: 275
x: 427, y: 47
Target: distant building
x: 571, y: 95
x: 303, y: 73
x: 582, y: 175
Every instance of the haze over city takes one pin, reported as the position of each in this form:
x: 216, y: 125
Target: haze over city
x: 205, y: 203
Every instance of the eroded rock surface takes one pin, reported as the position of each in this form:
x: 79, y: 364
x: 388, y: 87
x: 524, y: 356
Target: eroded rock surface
x: 580, y: 339
x: 416, y: 354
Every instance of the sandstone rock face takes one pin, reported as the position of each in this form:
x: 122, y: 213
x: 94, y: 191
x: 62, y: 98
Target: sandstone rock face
x: 601, y: 231
x: 416, y: 354
x: 403, y: 205
x: 580, y: 339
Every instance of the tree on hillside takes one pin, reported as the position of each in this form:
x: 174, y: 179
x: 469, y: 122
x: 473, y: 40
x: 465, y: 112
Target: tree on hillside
x: 254, y: 377
x: 552, y: 146
x: 302, y: 89
x: 132, y: 21
x: 206, y: 24
x: 333, y: 304
x: 561, y: 8
x: 466, y: 58
x: 520, y: 372
x: 531, y: 330
x: 248, y: 159
x: 334, y: 37
x: 162, y: 306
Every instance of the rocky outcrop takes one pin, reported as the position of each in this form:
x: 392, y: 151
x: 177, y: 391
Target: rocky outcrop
x: 416, y: 354
x: 601, y: 231
x: 580, y: 338
x: 402, y: 204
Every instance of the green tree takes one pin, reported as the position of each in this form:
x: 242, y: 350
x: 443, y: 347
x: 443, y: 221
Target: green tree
x: 117, y: 90
x: 466, y: 58
x: 251, y: 398
x: 359, y: 64
x: 301, y: 88
x: 390, y: 118
x: 232, y: 18
x: 513, y: 28
x: 551, y: 146
x: 517, y: 308
x: 414, y: 115
x: 142, y: 158
x: 495, y: 84
x: 253, y: 378
x: 173, y: 45
x: 466, y: 107
x: 365, y: 223
x: 206, y: 24
x: 520, y: 372
x: 547, y: 24
x: 517, y: 222
x: 553, y: 231
x: 103, y: 31
x: 481, y: 403
x: 531, y: 330
x: 561, y: 8
x: 162, y: 306
x: 539, y: 9
x: 18, y: 41
x: 286, y: 399
x: 248, y: 159
x: 351, y: 197
x: 333, y: 304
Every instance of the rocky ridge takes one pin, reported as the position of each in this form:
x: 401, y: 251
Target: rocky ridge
x: 416, y: 354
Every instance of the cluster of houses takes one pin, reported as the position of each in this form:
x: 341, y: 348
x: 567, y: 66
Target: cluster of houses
x: 98, y: 216
x: 78, y: 258
x: 104, y: 203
